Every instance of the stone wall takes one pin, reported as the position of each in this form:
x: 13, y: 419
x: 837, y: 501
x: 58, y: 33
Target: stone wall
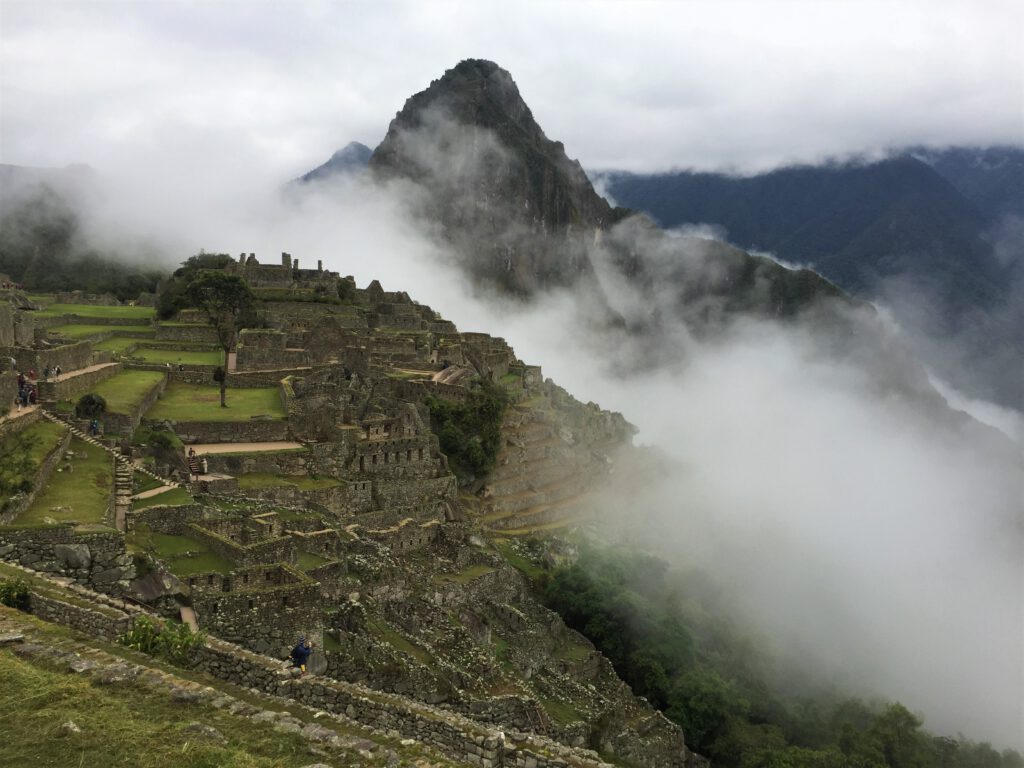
x: 252, y: 431
x: 263, y: 608
x: 69, y: 389
x: 197, y: 333
x: 280, y: 549
x: 266, y: 349
x: 97, y: 559
x: 21, y: 502
x: 17, y: 420
x: 106, y: 623
x: 452, y: 734
x: 70, y: 357
x: 172, y: 520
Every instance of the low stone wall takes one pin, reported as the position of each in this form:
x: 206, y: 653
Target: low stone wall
x: 93, y: 622
x: 333, y: 499
x: 96, y: 559
x: 126, y: 423
x: 8, y: 385
x: 21, y: 502
x: 252, y: 431
x: 172, y: 520
x: 18, y: 421
x: 70, y: 388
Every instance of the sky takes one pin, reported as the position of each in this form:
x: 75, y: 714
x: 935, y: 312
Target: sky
x: 272, y: 89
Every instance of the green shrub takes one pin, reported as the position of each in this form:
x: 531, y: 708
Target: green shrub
x: 90, y: 406
x: 470, y: 432
x: 14, y: 594
x: 172, y: 641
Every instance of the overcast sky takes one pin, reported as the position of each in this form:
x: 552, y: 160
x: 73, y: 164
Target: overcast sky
x: 273, y: 88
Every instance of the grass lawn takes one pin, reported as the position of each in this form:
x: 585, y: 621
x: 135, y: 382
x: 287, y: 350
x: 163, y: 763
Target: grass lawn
x: 81, y: 495
x: 309, y: 560
x: 141, y: 482
x: 175, y: 497
x: 174, y: 356
x: 119, y: 345
x: 39, y: 440
x: 193, y: 402
x: 267, y: 480
x: 86, y: 331
x: 473, y: 572
x: 124, y: 725
x: 125, y: 390
x: 93, y: 310
x: 184, y: 556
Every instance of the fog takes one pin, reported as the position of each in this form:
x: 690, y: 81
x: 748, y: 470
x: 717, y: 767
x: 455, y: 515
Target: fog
x: 869, y: 542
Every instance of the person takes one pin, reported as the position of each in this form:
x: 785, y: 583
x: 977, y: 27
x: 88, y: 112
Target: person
x: 300, y: 654
x: 205, y: 466
x: 57, y: 371
x: 94, y: 427
x: 46, y: 373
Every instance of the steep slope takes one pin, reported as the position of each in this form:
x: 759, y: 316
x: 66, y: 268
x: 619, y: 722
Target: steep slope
x: 990, y: 177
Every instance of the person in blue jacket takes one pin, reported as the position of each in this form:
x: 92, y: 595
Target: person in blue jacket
x: 300, y: 653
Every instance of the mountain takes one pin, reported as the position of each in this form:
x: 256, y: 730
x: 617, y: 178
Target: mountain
x: 990, y: 177
x: 901, y: 230
x: 525, y: 218
x: 353, y: 157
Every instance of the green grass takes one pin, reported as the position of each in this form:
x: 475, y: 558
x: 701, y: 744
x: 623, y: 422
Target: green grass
x: 398, y: 641
x: 141, y: 482
x: 526, y: 566
x: 93, y: 310
x: 175, y: 356
x: 184, y: 556
x: 175, y: 497
x: 255, y: 480
x: 560, y: 712
x: 119, y: 345
x: 308, y: 560
x: 81, y: 495
x: 193, y: 402
x: 41, y: 438
x: 125, y: 390
x: 123, y: 725
x: 473, y: 572
x: 76, y: 331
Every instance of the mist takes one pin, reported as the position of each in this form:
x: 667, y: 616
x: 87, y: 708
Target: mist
x: 867, y: 541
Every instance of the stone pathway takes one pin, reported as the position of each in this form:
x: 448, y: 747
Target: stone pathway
x: 151, y: 492
x: 77, y: 372
x: 14, y: 413
x: 201, y: 448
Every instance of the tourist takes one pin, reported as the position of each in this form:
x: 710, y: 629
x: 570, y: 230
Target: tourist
x: 94, y: 427
x: 57, y: 372
x: 46, y: 373
x: 300, y: 654
x: 205, y: 466
x: 32, y: 374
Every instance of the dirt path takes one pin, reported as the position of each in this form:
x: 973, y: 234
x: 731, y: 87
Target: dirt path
x: 202, y: 448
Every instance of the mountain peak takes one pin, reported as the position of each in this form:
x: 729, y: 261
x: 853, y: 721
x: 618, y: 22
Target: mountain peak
x: 352, y: 157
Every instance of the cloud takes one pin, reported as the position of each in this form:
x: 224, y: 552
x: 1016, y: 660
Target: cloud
x: 711, y: 85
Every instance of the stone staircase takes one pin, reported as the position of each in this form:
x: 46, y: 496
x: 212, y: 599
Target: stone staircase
x: 124, y: 470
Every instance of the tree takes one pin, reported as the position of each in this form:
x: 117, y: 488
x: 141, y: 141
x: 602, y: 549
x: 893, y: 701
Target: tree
x: 224, y: 299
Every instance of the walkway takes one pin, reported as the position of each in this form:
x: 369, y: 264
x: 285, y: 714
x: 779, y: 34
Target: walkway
x: 201, y: 448
x: 15, y: 413
x: 76, y: 372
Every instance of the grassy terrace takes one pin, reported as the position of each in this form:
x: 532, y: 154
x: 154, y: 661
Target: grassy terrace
x: 175, y: 497
x: 118, y: 345
x: 126, y: 390
x: 39, y: 439
x: 175, y: 356
x: 184, y: 556
x: 76, y: 331
x: 92, y: 310
x: 302, y: 482
x: 81, y: 495
x: 193, y: 402
x: 308, y: 560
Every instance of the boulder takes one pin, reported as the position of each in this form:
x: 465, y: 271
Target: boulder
x: 73, y: 555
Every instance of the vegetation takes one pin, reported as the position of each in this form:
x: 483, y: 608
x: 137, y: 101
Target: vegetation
x: 174, y: 497
x: 90, y: 406
x: 23, y: 453
x: 194, y: 402
x: 708, y: 678
x: 78, y: 331
x: 173, y: 297
x: 178, y: 356
x: 183, y: 555
x: 115, y: 311
x: 41, y: 247
x: 14, y: 593
x: 470, y: 431
x: 171, y: 640
x: 124, y: 391
x: 302, y: 482
x: 79, y: 491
